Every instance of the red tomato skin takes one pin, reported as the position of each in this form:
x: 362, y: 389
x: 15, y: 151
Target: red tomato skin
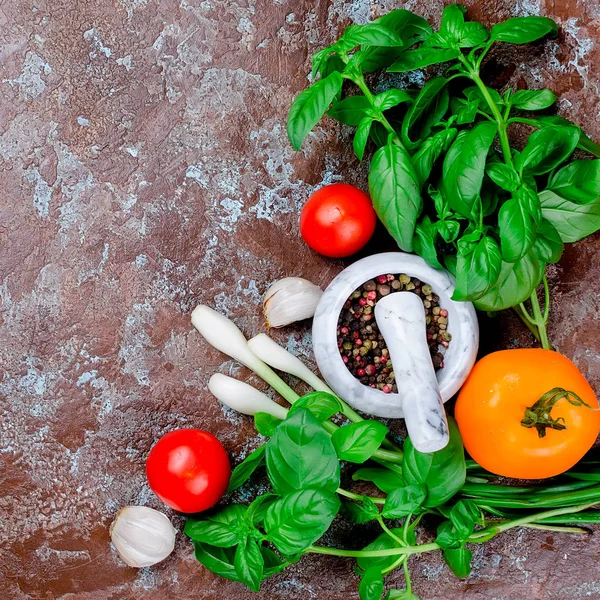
x: 338, y: 220
x: 188, y: 469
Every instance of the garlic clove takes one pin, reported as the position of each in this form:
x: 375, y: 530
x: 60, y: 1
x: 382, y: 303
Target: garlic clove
x: 243, y: 397
x: 290, y: 299
x: 142, y: 536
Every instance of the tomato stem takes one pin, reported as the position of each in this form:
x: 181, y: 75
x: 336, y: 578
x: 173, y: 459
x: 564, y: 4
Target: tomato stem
x: 538, y: 415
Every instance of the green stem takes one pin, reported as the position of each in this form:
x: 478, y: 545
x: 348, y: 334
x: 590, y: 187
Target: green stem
x: 359, y: 80
x: 373, y: 553
x: 477, y: 538
x: 500, y: 120
x: 556, y: 528
x: 407, y: 579
x: 389, y: 532
x: 541, y: 319
x: 524, y: 316
x: 358, y: 497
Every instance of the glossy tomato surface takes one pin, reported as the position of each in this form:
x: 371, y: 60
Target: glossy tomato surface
x: 337, y: 220
x: 492, y: 404
x: 188, y: 469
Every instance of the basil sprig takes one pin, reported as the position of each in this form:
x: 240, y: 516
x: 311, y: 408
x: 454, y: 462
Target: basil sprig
x: 505, y: 213
x: 304, y: 458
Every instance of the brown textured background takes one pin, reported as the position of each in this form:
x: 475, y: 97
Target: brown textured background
x: 144, y: 168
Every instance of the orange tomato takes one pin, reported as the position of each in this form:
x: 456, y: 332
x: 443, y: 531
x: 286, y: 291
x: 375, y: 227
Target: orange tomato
x: 493, y: 402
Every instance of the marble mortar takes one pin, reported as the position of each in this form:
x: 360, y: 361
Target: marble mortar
x: 462, y: 325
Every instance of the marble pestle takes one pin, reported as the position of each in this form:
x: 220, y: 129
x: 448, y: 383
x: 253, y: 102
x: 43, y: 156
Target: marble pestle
x: 401, y: 320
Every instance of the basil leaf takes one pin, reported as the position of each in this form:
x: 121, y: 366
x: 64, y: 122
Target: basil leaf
x: 578, y: 182
x: 394, y: 190
x: 384, y: 479
x: 428, y: 109
x: 465, y: 110
x: 409, y: 27
x: 503, y: 176
x: 533, y: 99
x: 391, y: 98
x: 523, y: 30
x: 361, y: 137
x: 309, y: 106
x: 572, y: 221
x: 442, y: 472
x: 218, y: 560
x: 515, y: 284
x: 411, y: 60
x: 351, y: 110
x: 585, y: 143
x: 266, y: 423
x: 222, y: 528
x: 548, y: 245
x: 447, y: 536
x: 424, y: 242
x: 258, y: 508
x: 319, y: 59
x: 357, y: 442
x: 371, y: 585
x: 478, y: 269
x: 464, y: 168
x: 242, y: 472
x: 455, y: 32
x: 464, y: 515
x: 528, y: 198
x: 517, y: 230
x: 473, y: 34
x: 430, y: 150
x: 322, y: 405
x: 300, y: 455
x: 299, y: 519
x: 459, y: 560
x: 547, y: 148
x: 383, y: 542
x: 273, y: 564
x: 449, y: 230
x: 249, y: 564
x: 404, y: 501
x: 360, y: 513
x: 370, y: 34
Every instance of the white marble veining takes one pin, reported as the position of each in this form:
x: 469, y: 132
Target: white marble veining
x: 401, y: 320
x: 462, y: 325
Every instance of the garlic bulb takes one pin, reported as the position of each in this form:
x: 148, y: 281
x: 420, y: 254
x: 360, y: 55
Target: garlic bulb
x: 142, y: 536
x: 290, y: 299
x: 243, y: 397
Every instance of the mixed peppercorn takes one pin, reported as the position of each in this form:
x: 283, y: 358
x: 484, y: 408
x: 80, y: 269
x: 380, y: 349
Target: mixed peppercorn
x: 362, y: 346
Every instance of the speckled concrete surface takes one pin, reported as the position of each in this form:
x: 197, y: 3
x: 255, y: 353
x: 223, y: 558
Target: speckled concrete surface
x: 144, y: 168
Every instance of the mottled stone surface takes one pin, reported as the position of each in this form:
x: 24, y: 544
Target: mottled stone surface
x: 144, y: 168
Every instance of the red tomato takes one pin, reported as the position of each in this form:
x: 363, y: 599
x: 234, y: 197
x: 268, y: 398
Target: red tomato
x: 188, y: 470
x: 338, y: 220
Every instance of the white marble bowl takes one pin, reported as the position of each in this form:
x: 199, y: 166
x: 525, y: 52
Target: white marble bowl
x: 462, y: 325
